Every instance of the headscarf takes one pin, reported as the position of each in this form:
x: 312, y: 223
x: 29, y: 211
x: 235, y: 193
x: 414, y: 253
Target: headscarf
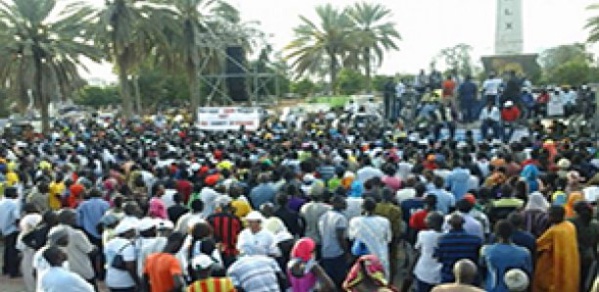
x: 536, y: 201
x: 530, y: 173
x: 572, y: 199
x: 303, y: 249
x: 373, y: 269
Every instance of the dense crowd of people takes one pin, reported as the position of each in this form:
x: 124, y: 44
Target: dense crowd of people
x: 164, y: 207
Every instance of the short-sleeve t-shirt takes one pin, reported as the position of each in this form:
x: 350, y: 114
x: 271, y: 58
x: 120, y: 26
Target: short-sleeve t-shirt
x: 161, y: 269
x: 116, y: 278
x: 329, y: 224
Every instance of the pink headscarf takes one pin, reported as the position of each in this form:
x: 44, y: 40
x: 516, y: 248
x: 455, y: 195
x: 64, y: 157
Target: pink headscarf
x: 303, y: 249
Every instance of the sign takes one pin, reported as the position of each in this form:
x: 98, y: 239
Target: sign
x: 228, y: 118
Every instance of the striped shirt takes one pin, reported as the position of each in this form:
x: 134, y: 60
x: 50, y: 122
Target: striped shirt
x: 226, y: 230
x: 454, y: 246
x: 255, y: 274
x: 212, y: 285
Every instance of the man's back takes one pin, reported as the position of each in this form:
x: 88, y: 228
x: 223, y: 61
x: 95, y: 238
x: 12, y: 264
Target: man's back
x: 255, y: 273
x: 312, y: 212
x: 161, y: 269
x: 263, y: 193
x: 331, y: 222
x: 454, y: 246
x: 500, y: 258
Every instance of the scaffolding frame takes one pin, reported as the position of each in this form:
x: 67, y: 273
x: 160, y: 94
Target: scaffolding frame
x: 218, y: 43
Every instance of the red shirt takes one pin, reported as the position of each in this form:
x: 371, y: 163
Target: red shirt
x: 75, y: 191
x: 510, y: 114
x: 185, y: 188
x: 226, y: 229
x: 448, y: 88
x: 543, y: 98
x: 417, y: 220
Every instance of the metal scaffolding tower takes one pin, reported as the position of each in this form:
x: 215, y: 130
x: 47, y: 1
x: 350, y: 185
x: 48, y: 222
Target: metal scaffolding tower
x: 214, y: 76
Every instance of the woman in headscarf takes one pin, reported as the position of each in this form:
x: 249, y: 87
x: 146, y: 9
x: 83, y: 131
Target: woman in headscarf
x: 303, y: 270
x: 572, y: 199
x: 530, y: 174
x: 367, y: 275
x: 535, y: 214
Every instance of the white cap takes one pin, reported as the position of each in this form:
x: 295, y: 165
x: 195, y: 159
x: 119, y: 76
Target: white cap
x: 508, y: 103
x: 254, y: 216
x: 222, y: 201
x: 516, y: 280
x: 202, y: 262
x: 124, y: 226
x: 147, y: 223
x: 165, y: 224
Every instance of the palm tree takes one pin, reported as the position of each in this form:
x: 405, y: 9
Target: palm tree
x: 322, y: 43
x: 41, y: 48
x: 593, y: 25
x: 127, y: 30
x: 375, y: 34
x: 193, y: 25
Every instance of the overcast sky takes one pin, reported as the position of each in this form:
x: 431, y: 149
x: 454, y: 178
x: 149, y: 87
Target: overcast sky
x: 427, y: 26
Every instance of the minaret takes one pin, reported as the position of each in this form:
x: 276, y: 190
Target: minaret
x: 509, y: 33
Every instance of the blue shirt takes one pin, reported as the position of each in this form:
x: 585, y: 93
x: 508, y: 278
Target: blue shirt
x: 454, y: 246
x: 89, y: 214
x: 467, y: 90
x: 500, y: 258
x: 445, y: 200
x: 262, y: 193
x: 457, y: 181
x: 9, y: 215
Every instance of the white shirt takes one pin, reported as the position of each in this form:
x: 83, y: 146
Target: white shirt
x: 428, y: 269
x: 491, y: 86
x: 59, y: 279
x: 492, y: 114
x: 405, y: 194
x: 262, y: 241
x: 116, y: 278
x: 368, y: 172
x: 400, y: 89
x: 471, y: 225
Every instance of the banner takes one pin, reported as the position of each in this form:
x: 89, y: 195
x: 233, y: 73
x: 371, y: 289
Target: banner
x: 228, y: 118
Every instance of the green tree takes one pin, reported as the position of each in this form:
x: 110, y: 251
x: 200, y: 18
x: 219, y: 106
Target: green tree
x: 351, y: 82
x: 458, y: 59
x: 315, y: 45
x: 41, y: 48
x: 127, y: 31
x: 570, y: 64
x: 95, y: 96
x: 304, y: 87
x: 375, y: 33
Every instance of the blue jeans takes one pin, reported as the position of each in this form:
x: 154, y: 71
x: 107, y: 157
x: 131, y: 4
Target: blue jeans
x: 470, y: 110
x: 493, y: 125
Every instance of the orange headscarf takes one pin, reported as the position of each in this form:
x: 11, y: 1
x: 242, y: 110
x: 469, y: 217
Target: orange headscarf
x: 572, y: 199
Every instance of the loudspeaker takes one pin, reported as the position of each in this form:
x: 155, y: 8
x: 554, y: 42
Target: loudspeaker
x: 236, y: 61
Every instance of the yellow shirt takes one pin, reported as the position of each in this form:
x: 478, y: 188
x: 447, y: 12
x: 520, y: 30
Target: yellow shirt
x: 56, y: 190
x: 11, y: 178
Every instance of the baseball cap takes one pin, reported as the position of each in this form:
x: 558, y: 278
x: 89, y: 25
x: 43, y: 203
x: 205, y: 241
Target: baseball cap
x: 470, y: 198
x: 146, y: 223
x: 202, y: 262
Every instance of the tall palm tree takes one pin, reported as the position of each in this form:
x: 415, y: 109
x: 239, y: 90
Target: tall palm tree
x: 315, y: 44
x: 593, y: 25
x: 375, y: 33
x: 127, y: 30
x: 41, y: 48
x: 193, y: 25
